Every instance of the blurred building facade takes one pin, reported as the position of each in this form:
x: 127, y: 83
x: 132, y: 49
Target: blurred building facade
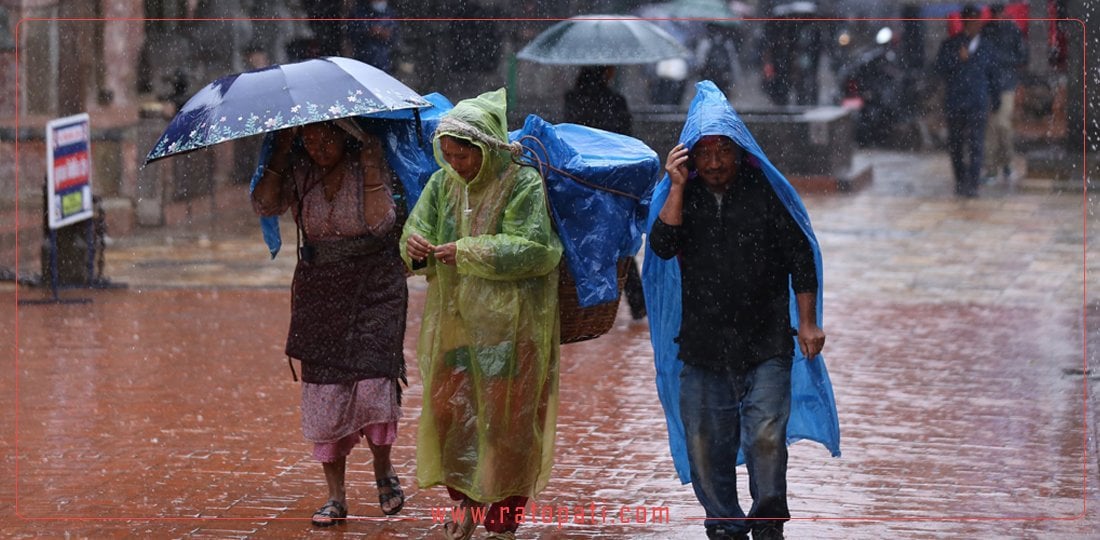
x: 129, y: 63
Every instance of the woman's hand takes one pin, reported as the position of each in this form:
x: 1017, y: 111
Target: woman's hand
x: 268, y: 194
x: 676, y: 165
x: 418, y: 248
x: 446, y: 253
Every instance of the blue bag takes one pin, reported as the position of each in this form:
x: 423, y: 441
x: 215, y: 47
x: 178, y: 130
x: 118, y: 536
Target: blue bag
x: 599, y: 184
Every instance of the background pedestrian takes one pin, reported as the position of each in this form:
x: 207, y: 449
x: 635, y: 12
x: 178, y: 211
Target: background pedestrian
x: 1010, y: 55
x: 967, y: 65
x: 374, y: 38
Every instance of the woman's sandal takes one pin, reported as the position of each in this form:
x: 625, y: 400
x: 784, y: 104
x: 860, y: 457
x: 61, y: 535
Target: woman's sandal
x: 332, y: 513
x: 464, y: 530
x: 394, y: 492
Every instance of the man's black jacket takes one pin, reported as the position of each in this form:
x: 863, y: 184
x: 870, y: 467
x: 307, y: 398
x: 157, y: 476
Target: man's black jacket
x: 736, y: 261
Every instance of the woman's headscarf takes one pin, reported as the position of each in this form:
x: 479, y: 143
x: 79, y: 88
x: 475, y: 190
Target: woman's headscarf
x: 483, y: 121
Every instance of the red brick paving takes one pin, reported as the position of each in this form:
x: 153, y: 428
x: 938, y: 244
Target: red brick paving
x: 167, y: 411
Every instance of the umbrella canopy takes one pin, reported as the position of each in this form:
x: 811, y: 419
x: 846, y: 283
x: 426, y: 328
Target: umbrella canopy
x: 282, y: 96
x: 687, y: 32
x: 794, y: 9
x: 599, y: 40
x: 714, y: 11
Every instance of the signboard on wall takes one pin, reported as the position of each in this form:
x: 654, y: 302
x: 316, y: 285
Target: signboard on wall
x: 68, y: 170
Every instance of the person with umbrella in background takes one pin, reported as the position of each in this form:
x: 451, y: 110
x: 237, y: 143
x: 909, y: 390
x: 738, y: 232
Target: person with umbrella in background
x: 349, y: 297
x: 598, y: 43
x: 593, y: 103
x: 488, y: 348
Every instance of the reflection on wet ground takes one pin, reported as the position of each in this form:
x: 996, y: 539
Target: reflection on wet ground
x: 955, y: 346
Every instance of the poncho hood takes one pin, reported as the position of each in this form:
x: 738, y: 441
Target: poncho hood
x: 483, y: 121
x: 813, y: 408
x: 711, y: 114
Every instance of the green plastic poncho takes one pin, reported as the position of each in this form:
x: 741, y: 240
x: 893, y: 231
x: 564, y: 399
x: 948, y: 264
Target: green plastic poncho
x: 488, y: 347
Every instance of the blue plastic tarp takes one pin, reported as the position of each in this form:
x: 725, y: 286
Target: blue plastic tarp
x: 597, y: 227
x: 813, y: 408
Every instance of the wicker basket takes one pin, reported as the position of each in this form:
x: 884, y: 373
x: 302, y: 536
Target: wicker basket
x: 580, y: 323
x: 577, y: 323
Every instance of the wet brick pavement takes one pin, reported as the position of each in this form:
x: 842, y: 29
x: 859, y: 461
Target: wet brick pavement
x: 166, y: 410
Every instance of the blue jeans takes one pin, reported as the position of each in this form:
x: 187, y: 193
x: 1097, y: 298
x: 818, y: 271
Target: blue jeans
x: 723, y: 411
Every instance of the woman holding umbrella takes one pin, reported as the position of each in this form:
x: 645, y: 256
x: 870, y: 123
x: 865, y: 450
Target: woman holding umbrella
x: 349, y: 297
x: 488, y: 348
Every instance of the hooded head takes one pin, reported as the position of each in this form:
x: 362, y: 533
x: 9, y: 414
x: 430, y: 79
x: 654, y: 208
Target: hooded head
x: 481, y: 122
x: 713, y: 125
x: 710, y: 113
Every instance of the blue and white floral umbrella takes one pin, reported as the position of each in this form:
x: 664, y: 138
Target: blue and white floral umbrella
x: 282, y: 96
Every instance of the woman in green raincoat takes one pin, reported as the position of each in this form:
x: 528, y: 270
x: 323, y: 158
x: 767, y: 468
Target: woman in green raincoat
x: 488, y: 348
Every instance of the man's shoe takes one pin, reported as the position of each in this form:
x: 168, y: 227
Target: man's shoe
x: 722, y: 534
x: 768, y: 532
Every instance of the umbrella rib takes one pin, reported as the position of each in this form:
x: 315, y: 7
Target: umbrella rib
x: 636, y: 32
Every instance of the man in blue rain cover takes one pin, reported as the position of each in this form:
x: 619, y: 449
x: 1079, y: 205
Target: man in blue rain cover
x: 736, y: 281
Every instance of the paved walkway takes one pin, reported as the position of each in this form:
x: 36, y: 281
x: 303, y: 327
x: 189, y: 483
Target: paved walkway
x: 166, y: 410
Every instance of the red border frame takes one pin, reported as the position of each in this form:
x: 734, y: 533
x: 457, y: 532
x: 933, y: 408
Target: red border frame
x: 1084, y: 252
